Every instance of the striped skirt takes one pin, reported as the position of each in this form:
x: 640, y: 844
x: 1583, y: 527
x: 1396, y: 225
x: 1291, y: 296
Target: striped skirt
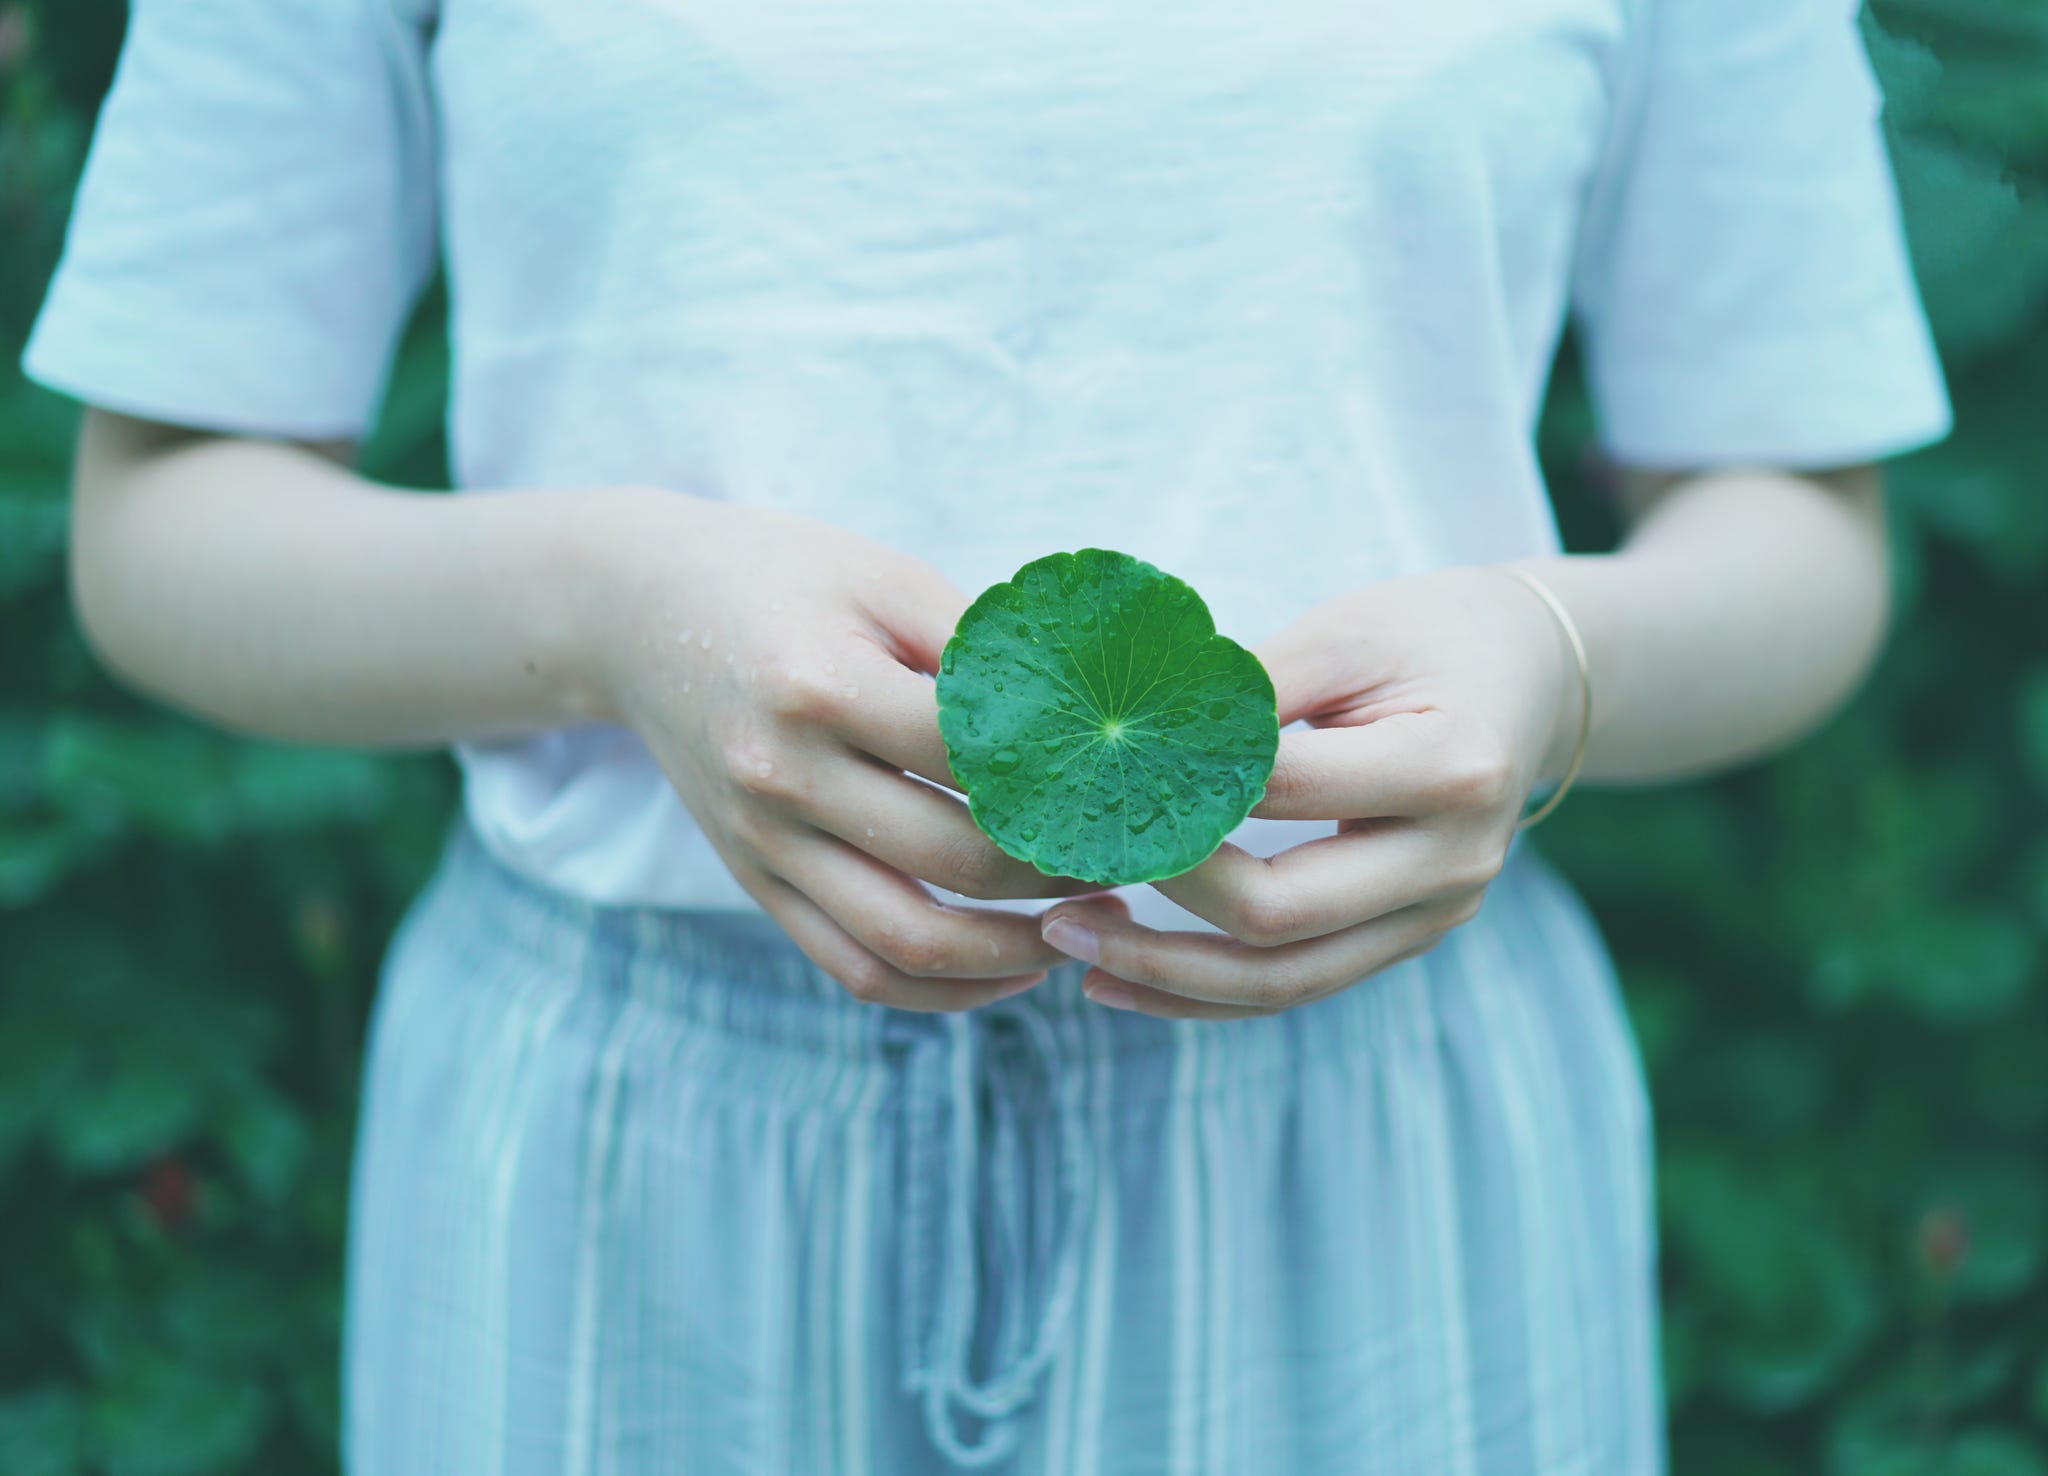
x: 646, y: 1194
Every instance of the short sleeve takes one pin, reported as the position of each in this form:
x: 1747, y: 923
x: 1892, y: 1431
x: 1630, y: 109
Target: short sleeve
x: 255, y: 220
x: 1742, y: 286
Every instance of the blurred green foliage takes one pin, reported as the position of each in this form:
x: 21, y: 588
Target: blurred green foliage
x: 1834, y: 961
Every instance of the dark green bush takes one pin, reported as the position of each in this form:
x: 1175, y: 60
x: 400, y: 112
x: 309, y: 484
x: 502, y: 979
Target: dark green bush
x: 1834, y: 961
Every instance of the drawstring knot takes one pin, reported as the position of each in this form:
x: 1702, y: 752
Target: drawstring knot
x: 944, y: 1084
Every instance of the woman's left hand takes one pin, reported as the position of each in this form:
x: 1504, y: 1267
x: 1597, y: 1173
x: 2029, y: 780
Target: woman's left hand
x: 1436, y: 703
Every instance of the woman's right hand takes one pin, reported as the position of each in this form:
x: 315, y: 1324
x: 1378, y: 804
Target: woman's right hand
x: 779, y: 670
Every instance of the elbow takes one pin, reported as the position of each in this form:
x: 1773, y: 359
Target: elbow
x: 1876, y: 605
x: 104, y: 580
x: 94, y: 583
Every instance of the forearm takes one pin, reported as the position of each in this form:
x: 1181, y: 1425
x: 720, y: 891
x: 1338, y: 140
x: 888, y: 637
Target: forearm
x: 1740, y: 612
x: 271, y: 591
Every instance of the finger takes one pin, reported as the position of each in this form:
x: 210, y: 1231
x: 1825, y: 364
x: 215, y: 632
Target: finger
x: 1120, y: 994
x: 1221, y: 970
x: 923, y: 832
x: 1309, y: 673
x: 1406, y: 764
x: 1334, y: 881
x: 896, y: 919
x: 892, y: 712
x: 864, y: 975
x: 1108, y: 990
x: 914, y: 609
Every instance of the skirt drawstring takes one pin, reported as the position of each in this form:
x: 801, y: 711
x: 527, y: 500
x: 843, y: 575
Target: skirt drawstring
x: 950, y: 1154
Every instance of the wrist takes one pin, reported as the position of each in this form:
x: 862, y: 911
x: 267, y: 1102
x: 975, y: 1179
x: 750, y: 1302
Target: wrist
x: 614, y: 567
x: 1564, y: 720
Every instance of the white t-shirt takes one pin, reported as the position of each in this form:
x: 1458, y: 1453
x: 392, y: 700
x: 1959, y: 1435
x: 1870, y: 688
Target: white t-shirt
x: 1267, y: 295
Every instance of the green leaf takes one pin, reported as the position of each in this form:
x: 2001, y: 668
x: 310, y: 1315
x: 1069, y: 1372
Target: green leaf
x: 1994, y: 1452
x: 39, y: 1432
x: 1909, y: 72
x: 1967, y: 223
x: 268, y: 1143
x: 1789, y: 1299
x: 195, y: 786
x: 2033, y: 710
x: 32, y: 535
x: 2003, y: 1199
x: 36, y: 859
x: 138, y: 1106
x: 37, y: 1063
x: 1101, y: 727
x: 227, y: 1317
x: 1954, y: 965
x: 167, y: 1419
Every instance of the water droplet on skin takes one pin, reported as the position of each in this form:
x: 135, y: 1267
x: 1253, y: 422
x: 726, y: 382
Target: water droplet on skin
x: 993, y: 950
x: 706, y: 641
x: 850, y: 693
x: 728, y: 658
x: 684, y: 637
x: 871, y: 832
x: 775, y: 604
x: 686, y: 686
x: 764, y: 767
x: 831, y: 670
x: 1002, y: 761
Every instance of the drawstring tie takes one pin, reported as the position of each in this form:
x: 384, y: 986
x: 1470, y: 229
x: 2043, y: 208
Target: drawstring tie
x: 944, y: 1085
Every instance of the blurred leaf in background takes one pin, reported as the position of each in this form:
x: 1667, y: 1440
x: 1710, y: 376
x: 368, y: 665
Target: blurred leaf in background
x: 1834, y: 962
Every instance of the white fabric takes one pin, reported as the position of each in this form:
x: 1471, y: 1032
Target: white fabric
x: 1266, y: 295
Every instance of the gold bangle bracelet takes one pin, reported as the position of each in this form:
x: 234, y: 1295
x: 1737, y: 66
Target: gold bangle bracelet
x: 1571, y: 633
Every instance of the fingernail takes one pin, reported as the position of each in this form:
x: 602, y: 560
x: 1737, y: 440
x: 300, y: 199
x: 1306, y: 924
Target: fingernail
x: 1113, y: 997
x: 1070, y: 938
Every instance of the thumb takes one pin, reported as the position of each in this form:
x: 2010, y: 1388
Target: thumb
x: 914, y: 609
x: 1307, y: 675
x: 1088, y: 907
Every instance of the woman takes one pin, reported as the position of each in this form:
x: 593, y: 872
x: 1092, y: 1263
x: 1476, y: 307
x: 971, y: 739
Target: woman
x: 733, y: 1105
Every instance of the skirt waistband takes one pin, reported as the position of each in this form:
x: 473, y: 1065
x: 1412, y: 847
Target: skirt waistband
x: 738, y: 974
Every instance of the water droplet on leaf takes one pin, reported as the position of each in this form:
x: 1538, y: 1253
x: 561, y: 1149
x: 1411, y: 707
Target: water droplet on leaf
x: 1002, y: 761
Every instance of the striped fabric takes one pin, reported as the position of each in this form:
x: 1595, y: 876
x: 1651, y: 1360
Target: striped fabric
x: 645, y: 1194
